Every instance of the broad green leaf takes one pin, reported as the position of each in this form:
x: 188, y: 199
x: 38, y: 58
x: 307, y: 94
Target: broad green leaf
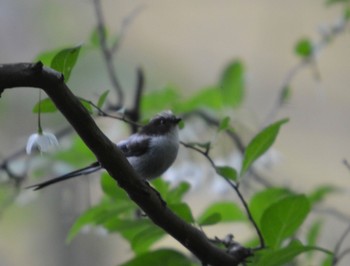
x: 263, y: 199
x: 164, y: 257
x: 260, y: 144
x: 110, y: 187
x: 142, y: 241
x: 102, y: 99
x: 183, y: 211
x: 228, y: 212
x: 47, y: 56
x: 206, y: 98
x: 65, y: 60
x: 46, y: 106
x: 232, y: 84
x: 227, y: 172
x: 130, y: 228
x: 176, y: 194
x: 156, y: 101
x: 212, y: 219
x: 304, y: 48
x: 90, y: 216
x: 161, y: 186
x: 284, y: 255
x: 283, y: 218
x: 321, y: 192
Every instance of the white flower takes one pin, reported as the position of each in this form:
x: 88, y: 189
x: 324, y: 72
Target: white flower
x: 44, y: 142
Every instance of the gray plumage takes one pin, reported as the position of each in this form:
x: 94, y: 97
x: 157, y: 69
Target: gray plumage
x: 150, y: 152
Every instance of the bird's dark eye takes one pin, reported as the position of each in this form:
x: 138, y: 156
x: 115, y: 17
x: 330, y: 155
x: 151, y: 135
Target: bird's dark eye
x: 162, y: 121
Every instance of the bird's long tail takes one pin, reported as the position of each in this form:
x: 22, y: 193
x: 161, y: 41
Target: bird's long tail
x: 83, y: 171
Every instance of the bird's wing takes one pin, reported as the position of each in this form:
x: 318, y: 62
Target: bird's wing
x: 134, y: 145
x: 82, y: 171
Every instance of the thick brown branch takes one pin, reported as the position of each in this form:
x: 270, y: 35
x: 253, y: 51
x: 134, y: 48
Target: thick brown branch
x: 52, y: 82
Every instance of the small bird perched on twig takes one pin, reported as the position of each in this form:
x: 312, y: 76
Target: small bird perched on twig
x: 150, y: 152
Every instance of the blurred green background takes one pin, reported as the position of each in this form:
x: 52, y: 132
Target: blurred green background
x: 187, y: 44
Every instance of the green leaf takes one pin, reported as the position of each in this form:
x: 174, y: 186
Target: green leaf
x: 65, y: 60
x: 95, y: 38
x: 77, y: 155
x: 47, y: 56
x: 111, y: 188
x: 262, y: 200
x: 127, y: 227
x: 304, y: 48
x: 142, y: 241
x: 182, y: 210
x: 283, y: 218
x: 102, y: 99
x: 284, y: 255
x: 331, y: 2
x: 88, y: 217
x: 347, y: 13
x: 46, y: 106
x: 211, y: 219
x: 260, y: 144
x: 328, y: 261
x: 321, y: 192
x: 156, y: 101
x: 164, y: 257
x: 232, y: 84
x: 176, y: 194
x: 313, y: 234
x: 161, y: 186
x: 224, y: 124
x: 87, y: 105
x: 206, y: 98
x: 227, y: 172
x: 171, y: 195
x: 227, y: 211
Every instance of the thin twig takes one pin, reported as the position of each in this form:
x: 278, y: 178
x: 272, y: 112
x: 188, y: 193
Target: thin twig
x: 134, y: 112
x: 101, y: 28
x: 333, y: 32
x: 236, y: 139
x: 236, y: 188
x: 124, y: 27
x: 346, y: 163
x: 337, y: 254
x: 340, y: 256
x: 105, y: 114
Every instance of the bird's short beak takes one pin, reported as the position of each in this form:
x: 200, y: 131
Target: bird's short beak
x: 178, y: 119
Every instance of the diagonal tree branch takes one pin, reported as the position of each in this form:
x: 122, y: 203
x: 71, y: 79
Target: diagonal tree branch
x: 112, y: 159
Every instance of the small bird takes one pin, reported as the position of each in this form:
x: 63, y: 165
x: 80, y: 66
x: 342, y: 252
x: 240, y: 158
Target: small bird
x: 150, y: 152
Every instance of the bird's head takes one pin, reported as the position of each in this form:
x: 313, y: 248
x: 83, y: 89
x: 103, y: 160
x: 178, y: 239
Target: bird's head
x: 161, y: 124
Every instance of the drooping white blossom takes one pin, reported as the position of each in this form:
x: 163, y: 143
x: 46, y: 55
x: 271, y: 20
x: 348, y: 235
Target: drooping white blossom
x: 44, y: 142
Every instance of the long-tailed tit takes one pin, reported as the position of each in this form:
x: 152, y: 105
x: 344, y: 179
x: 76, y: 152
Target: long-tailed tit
x: 150, y: 151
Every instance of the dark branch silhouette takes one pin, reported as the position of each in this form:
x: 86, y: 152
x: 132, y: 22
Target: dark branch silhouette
x: 112, y: 159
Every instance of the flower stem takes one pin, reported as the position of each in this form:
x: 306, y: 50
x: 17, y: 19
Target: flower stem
x: 40, y: 130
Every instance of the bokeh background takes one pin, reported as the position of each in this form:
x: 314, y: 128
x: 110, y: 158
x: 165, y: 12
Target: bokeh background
x: 187, y: 44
